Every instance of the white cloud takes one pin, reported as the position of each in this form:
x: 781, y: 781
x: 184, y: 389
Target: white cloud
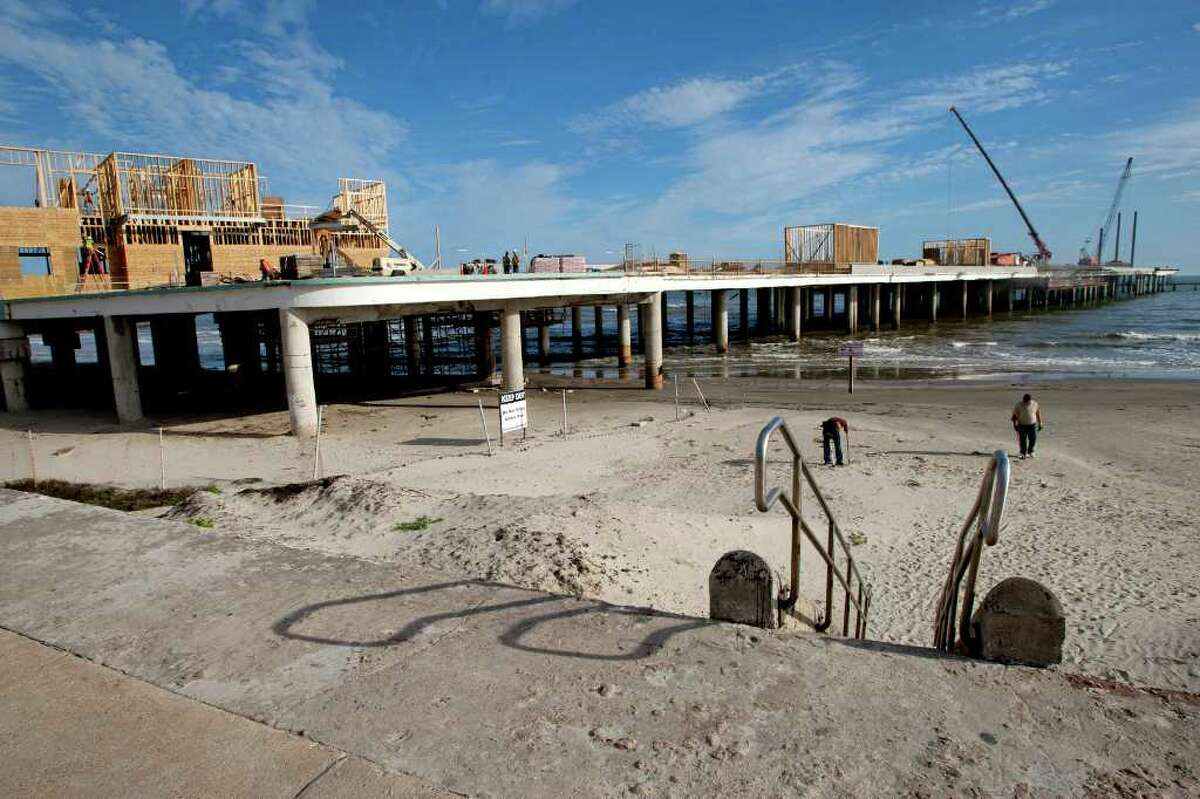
x: 1188, y: 197
x: 985, y: 90
x: 742, y: 180
x: 1196, y: 27
x: 1168, y: 148
x: 127, y: 92
x: 485, y: 204
x: 522, y: 12
x: 1014, y: 10
x: 683, y: 104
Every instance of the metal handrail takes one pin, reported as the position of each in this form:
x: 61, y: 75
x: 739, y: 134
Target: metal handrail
x: 764, y: 499
x: 986, y: 515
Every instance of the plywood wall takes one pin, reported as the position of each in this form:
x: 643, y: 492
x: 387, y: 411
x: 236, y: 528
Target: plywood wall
x: 54, y: 228
x: 855, y: 245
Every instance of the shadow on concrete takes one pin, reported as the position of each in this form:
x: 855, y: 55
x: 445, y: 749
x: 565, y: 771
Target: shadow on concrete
x: 514, y: 637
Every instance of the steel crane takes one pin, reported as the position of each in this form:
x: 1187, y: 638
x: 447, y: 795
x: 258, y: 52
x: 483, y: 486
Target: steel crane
x: 1043, y: 252
x: 1112, y: 211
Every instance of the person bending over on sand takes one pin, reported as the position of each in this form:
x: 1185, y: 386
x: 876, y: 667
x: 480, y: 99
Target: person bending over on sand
x: 831, y: 433
x: 1027, y: 421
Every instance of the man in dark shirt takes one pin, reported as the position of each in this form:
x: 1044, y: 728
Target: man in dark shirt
x: 831, y: 433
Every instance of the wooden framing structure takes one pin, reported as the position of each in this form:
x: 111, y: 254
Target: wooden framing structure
x: 829, y: 247
x: 160, y: 219
x: 958, y: 252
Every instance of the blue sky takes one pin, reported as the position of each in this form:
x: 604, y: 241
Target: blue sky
x: 579, y: 125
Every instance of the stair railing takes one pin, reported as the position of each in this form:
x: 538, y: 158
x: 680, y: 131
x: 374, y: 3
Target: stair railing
x: 986, y: 515
x: 764, y: 499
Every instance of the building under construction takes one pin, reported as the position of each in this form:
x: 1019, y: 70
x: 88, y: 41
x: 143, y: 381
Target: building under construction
x: 162, y: 220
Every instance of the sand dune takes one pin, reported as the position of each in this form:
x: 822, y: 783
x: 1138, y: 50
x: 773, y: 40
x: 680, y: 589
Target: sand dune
x: 637, y: 515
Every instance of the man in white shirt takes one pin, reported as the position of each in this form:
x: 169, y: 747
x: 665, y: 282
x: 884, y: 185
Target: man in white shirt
x: 1027, y: 421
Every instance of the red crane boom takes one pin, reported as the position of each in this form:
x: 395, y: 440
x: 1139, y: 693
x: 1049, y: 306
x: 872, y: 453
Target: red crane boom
x: 1043, y: 252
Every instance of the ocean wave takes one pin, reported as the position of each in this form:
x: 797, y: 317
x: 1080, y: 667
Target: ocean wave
x: 1136, y: 335
x: 958, y: 345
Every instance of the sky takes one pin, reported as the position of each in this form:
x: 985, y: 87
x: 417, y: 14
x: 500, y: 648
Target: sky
x: 580, y: 126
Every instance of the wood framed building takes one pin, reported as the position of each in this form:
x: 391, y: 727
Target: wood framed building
x: 164, y: 220
x: 829, y: 248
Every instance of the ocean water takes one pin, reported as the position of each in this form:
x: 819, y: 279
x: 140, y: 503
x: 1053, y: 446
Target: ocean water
x: 1152, y: 337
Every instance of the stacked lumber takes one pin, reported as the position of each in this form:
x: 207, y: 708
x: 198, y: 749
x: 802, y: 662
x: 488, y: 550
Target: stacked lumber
x: 558, y: 263
x: 298, y: 266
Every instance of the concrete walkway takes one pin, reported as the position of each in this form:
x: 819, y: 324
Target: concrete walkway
x: 493, y: 691
x: 72, y: 728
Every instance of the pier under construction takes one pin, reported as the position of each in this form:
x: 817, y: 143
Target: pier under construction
x: 307, y: 341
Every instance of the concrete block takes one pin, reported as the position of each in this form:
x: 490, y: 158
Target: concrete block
x: 743, y: 589
x: 1021, y: 621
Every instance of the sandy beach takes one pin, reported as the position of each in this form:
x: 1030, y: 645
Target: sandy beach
x: 634, y: 507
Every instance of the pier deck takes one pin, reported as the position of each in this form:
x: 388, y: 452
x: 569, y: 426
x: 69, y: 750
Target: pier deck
x: 277, y: 317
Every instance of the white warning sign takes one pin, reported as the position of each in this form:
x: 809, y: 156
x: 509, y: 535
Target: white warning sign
x: 513, y: 415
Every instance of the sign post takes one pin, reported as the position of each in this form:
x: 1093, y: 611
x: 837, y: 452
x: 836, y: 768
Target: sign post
x: 513, y: 415
x: 851, y: 349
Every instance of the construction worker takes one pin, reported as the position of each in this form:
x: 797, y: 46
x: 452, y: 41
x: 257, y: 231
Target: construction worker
x: 507, y: 262
x: 1027, y: 421
x: 93, y: 257
x: 831, y: 433
x: 266, y: 271
x: 516, y: 262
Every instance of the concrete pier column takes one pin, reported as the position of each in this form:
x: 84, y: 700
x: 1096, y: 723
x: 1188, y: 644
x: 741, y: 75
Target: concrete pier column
x: 852, y: 310
x: 876, y: 290
x: 720, y: 331
x: 779, y: 309
x: 427, y: 344
x: 544, y: 344
x: 512, y: 355
x: 934, y: 300
x: 239, y: 343
x: 991, y: 292
x: 666, y: 314
x: 1012, y: 298
x: 897, y: 304
x: 796, y: 318
x: 577, y: 330
x: 63, y: 344
x: 652, y: 342
x: 966, y: 297
x: 598, y: 324
x: 297, y: 371
x: 828, y: 305
x: 412, y: 346
x: 624, y: 337
x: 690, y: 302
x: 176, y: 349
x: 14, y: 356
x: 762, y: 310
x: 485, y: 355
x: 744, y: 311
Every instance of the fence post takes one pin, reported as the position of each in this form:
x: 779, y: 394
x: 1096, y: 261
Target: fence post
x: 703, y: 401
x: 32, y: 459
x: 162, y: 462
x: 483, y: 421
x: 317, y: 448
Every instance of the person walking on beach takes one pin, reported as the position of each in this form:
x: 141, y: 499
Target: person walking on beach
x: 1027, y: 421
x: 831, y: 433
